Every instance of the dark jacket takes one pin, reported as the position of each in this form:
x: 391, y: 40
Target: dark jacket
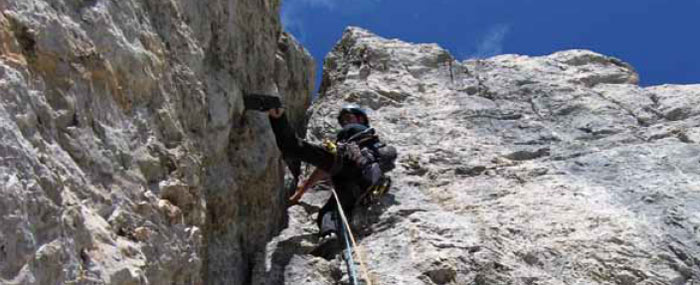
x: 344, y: 175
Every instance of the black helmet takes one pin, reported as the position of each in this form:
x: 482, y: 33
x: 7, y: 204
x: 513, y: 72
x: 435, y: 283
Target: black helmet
x: 355, y: 110
x: 350, y: 130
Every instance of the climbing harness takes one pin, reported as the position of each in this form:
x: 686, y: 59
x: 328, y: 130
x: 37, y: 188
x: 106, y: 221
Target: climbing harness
x: 375, y: 192
x: 348, y: 233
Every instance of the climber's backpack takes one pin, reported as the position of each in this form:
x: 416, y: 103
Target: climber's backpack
x: 369, y: 154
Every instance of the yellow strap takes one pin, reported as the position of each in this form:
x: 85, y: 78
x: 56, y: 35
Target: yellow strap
x: 330, y: 146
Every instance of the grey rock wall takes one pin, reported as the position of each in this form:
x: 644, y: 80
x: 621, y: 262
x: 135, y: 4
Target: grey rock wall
x: 555, y: 169
x: 126, y: 155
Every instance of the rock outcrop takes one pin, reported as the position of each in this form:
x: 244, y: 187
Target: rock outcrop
x: 126, y: 154
x: 554, y: 169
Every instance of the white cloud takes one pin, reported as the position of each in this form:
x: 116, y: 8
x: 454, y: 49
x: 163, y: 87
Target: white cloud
x: 292, y: 10
x: 291, y: 18
x: 333, y: 4
x: 330, y: 4
x: 492, y: 43
x: 291, y: 23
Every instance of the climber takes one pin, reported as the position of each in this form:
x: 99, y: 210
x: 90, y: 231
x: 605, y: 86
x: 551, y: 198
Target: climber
x: 349, y: 114
x: 346, y: 168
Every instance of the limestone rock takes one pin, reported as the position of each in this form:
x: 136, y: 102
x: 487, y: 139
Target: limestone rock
x: 142, y: 233
x: 126, y: 154
x: 555, y: 169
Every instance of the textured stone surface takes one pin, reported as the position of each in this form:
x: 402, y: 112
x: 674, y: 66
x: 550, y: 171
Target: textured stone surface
x: 126, y: 156
x: 555, y: 169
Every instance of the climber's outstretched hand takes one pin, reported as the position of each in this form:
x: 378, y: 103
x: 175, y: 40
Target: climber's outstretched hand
x: 276, y: 112
x: 297, y: 196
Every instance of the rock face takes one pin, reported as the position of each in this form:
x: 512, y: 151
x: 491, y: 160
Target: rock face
x: 556, y: 169
x: 126, y: 155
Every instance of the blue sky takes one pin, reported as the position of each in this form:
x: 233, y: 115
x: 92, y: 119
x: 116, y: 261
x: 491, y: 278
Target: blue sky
x: 661, y: 39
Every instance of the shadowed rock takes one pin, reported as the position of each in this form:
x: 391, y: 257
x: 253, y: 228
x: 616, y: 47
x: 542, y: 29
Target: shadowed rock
x: 126, y: 155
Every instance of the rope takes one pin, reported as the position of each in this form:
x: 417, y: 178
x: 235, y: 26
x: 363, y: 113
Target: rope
x: 352, y: 237
x: 350, y: 262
